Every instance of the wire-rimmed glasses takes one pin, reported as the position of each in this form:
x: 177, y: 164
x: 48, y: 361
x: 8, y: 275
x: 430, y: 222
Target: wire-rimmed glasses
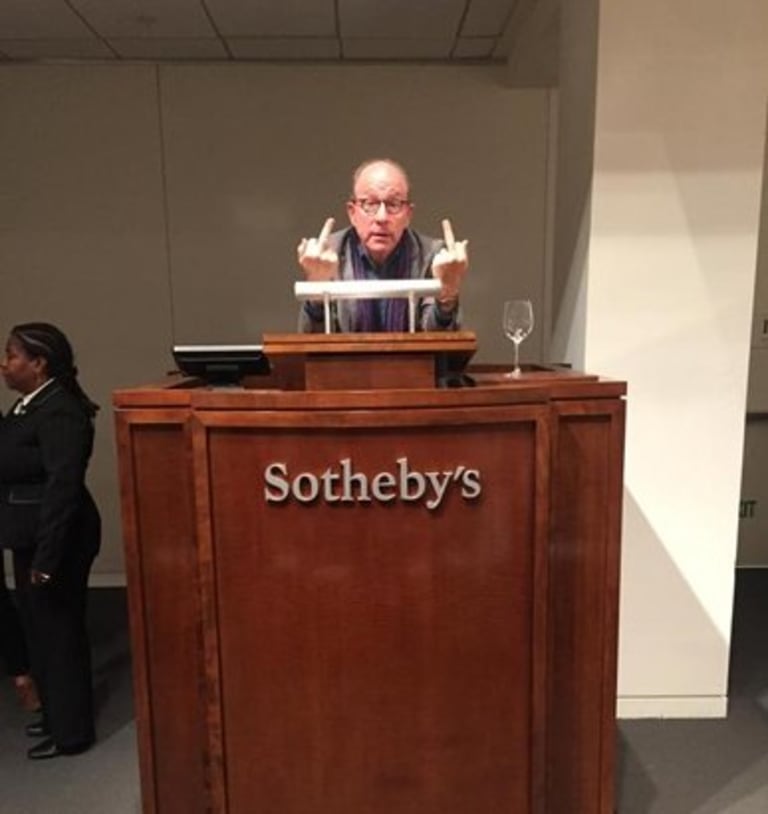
x: 371, y: 206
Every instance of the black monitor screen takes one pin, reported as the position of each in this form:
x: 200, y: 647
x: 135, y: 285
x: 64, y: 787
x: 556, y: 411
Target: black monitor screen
x: 221, y: 364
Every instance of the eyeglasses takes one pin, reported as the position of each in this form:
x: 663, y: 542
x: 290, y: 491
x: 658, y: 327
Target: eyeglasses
x: 371, y: 206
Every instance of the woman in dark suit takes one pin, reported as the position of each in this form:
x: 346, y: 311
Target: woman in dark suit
x: 49, y: 520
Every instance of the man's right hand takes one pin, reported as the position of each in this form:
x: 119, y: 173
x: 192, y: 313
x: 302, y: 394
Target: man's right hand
x: 316, y: 258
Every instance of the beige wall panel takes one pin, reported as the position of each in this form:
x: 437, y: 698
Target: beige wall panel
x: 259, y: 156
x: 757, y: 397
x: 81, y: 235
x: 753, y: 515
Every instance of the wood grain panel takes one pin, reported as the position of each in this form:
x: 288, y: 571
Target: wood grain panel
x: 377, y: 658
x: 350, y: 419
x: 366, y: 372
x: 277, y: 344
x: 170, y: 655
x: 136, y: 612
x: 349, y: 657
x: 583, y: 605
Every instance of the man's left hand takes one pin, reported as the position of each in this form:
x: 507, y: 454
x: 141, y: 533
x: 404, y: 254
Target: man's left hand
x: 449, y: 266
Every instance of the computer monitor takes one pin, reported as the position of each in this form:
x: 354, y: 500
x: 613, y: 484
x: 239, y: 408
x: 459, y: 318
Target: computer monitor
x: 221, y: 364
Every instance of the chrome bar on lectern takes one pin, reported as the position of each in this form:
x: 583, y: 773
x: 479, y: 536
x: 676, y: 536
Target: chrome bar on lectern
x: 328, y: 290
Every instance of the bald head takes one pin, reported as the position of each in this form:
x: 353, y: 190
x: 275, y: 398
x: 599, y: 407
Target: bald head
x: 380, y: 209
x: 377, y: 165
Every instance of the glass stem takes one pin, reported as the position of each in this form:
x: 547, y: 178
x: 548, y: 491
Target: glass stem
x: 517, y: 356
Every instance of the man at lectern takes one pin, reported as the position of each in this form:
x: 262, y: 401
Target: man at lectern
x: 380, y: 245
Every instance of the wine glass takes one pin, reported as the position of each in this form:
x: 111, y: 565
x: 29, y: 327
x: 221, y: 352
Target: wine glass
x: 517, y: 324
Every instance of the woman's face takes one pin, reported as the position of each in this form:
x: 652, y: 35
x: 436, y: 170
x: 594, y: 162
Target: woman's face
x: 22, y: 372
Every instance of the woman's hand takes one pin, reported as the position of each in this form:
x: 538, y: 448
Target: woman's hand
x: 38, y: 577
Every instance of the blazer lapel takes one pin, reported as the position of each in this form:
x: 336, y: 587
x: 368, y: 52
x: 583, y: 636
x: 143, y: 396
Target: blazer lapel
x: 16, y: 408
x: 43, y: 396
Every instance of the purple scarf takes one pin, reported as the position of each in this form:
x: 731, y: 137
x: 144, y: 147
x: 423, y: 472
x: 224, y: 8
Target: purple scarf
x: 389, y: 315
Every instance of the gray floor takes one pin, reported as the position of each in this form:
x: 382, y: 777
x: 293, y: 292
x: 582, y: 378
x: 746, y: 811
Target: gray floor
x: 104, y: 780
x: 665, y: 767
x: 709, y: 766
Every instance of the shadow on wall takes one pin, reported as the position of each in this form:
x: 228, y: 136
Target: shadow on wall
x: 568, y: 329
x: 671, y: 653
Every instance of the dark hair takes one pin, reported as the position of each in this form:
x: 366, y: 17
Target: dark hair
x: 46, y: 341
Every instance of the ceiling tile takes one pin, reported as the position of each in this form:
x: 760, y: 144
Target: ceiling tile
x: 283, y: 47
x: 532, y: 33
x: 56, y: 49
x: 274, y: 29
x: 393, y: 48
x: 145, y: 18
x: 474, y: 47
x: 265, y: 18
x: 51, y: 19
x: 178, y: 48
x: 400, y: 18
x: 486, y: 18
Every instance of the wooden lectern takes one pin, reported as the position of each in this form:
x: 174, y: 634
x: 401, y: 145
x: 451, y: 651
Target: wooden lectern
x: 366, y: 594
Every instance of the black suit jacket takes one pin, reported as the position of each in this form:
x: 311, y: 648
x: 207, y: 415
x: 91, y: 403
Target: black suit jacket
x: 44, y: 503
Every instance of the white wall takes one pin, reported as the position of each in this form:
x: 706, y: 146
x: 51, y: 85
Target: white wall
x: 757, y: 394
x: 139, y: 205
x: 681, y: 99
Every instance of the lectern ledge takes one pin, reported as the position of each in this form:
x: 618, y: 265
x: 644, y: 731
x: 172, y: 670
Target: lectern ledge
x: 353, y: 591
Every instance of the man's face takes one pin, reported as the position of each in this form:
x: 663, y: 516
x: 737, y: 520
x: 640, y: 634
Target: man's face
x: 379, y: 187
